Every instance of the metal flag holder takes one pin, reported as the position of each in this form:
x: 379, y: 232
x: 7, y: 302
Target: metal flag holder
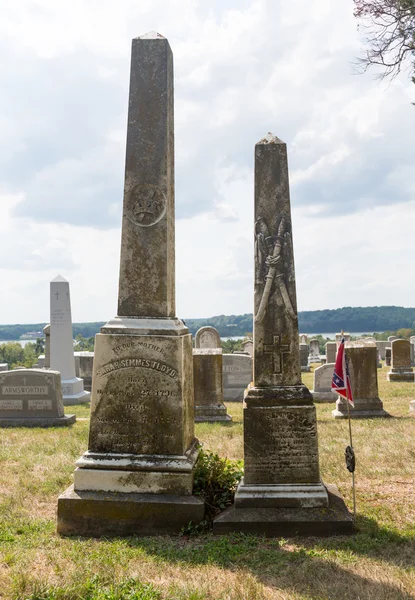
x: 349, y: 452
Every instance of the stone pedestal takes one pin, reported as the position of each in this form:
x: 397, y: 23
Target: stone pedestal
x: 32, y: 398
x: 331, y: 350
x: 322, y: 384
x: 401, y: 369
x: 281, y: 466
x: 364, y: 380
x: 61, y: 343
x: 208, y: 386
x: 314, y: 354
x: 46, y: 331
x: 137, y: 475
x: 84, y: 364
x: 412, y: 406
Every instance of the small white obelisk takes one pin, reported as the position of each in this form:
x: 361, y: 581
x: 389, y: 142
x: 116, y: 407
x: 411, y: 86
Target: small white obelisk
x: 61, y: 343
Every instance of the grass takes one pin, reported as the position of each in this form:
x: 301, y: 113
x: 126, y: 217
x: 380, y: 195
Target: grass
x: 376, y: 563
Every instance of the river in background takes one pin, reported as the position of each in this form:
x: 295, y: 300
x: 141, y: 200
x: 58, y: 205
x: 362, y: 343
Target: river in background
x: 21, y: 342
x: 331, y: 336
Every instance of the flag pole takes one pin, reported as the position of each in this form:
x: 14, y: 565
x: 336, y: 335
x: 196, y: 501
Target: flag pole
x: 350, y: 434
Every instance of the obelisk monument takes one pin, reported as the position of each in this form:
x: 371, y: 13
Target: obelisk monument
x: 137, y: 475
x: 62, y: 358
x: 281, y: 491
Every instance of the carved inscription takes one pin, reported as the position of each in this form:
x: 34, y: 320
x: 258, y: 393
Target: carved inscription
x: 230, y: 369
x: 127, y: 363
x: 11, y: 404
x: 281, y: 446
x: 136, y: 345
x: 24, y: 390
x: 40, y: 404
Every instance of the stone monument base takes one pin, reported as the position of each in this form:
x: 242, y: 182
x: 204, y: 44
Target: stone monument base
x: 400, y: 375
x: 38, y: 422
x: 211, y: 414
x: 307, y: 495
x: 73, y: 392
x: 363, y: 409
x: 276, y: 522
x: 106, y: 514
x: 412, y: 406
x: 322, y: 397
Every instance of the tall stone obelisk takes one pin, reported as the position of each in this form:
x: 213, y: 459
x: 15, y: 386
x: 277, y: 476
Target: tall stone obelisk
x: 62, y: 358
x: 281, y: 491
x: 137, y: 475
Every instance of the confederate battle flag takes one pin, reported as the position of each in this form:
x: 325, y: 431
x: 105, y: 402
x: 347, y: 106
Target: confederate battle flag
x: 341, y: 377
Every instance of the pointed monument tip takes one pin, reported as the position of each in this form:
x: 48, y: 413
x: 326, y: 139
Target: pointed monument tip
x: 59, y: 279
x: 270, y: 138
x: 151, y: 35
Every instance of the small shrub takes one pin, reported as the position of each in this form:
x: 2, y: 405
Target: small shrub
x: 216, y: 480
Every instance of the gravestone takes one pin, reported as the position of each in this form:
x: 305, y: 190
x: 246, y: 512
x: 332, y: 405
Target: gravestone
x: 248, y: 347
x: 208, y: 385
x: 237, y: 375
x: 381, y: 346
x: 4, y: 367
x: 46, y: 331
x: 137, y: 475
x: 207, y: 337
x: 32, y: 398
x: 331, y: 351
x: 412, y: 347
x: 364, y: 381
x: 84, y: 364
x: 392, y: 338
x: 41, y: 361
x: 388, y: 356
x: 61, y: 343
x: 322, y: 384
x: 281, y: 467
x: 303, y: 338
x: 314, y: 352
x: 401, y: 369
x: 304, y: 358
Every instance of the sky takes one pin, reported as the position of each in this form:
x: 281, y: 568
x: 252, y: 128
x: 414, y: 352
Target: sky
x: 242, y: 68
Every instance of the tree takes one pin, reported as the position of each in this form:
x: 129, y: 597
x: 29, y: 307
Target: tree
x: 390, y: 34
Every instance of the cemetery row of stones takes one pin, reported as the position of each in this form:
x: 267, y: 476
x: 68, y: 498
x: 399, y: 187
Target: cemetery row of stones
x: 149, y: 384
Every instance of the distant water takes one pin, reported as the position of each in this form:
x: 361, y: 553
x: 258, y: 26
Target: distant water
x: 331, y: 336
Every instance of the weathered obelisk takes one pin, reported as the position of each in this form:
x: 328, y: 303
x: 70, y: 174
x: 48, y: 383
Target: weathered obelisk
x: 281, y: 491
x: 137, y: 475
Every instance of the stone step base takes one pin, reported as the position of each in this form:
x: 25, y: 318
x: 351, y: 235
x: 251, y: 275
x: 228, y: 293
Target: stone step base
x: 211, y: 413
x: 322, y: 397
x: 39, y: 422
x: 96, y: 514
x: 79, y: 398
x: 305, y: 495
x: 400, y: 376
x: 360, y: 414
x: 276, y: 522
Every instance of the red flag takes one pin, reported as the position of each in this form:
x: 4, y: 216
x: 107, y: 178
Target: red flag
x: 341, y: 377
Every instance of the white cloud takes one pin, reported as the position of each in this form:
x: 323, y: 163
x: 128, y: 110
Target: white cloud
x: 242, y: 68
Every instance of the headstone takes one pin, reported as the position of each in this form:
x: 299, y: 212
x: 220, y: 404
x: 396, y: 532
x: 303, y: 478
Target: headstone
x: 364, y: 381
x: 331, y: 350
x: 281, y: 467
x: 314, y: 353
x: 412, y: 347
x: 388, y: 356
x: 392, y: 338
x: 401, y: 369
x: 84, y: 364
x: 322, y: 384
x: 237, y: 375
x: 340, y: 336
x: 4, y: 367
x: 61, y: 343
x: 137, y: 475
x: 32, y: 398
x: 303, y: 338
x: 41, y: 361
x: 208, y: 385
x: 46, y: 331
x: 381, y: 346
x: 304, y: 358
x: 207, y: 337
x: 248, y: 347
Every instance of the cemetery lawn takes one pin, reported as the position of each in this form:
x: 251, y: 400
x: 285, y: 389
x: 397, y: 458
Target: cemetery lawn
x: 377, y: 563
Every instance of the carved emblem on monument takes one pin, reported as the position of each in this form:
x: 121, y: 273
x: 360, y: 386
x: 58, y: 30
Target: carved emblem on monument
x: 146, y: 204
x: 269, y: 263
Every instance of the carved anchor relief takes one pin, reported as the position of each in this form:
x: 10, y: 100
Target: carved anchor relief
x: 268, y: 263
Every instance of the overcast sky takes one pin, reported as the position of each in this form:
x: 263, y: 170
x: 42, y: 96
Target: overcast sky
x: 242, y: 68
